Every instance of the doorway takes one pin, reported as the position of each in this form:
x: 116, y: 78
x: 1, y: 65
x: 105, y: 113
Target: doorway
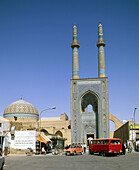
x: 88, y: 137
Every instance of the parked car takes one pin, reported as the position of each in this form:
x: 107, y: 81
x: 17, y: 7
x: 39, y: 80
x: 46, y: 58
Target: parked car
x: 2, y: 161
x: 74, y: 149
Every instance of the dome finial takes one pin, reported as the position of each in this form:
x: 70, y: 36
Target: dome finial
x: 21, y: 98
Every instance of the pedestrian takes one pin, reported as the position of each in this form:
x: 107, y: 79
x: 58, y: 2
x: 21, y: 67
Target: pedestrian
x: 130, y: 148
x: 67, y: 147
x: 123, y: 149
x: 46, y: 148
x: 125, y: 145
x: 84, y: 147
x: 43, y: 150
x: 5, y: 151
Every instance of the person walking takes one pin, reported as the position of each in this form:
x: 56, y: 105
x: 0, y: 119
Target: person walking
x: 123, y: 149
x: 84, y: 147
x: 130, y: 148
x: 43, y: 150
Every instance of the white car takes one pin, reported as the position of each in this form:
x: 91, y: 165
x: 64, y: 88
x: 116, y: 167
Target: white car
x: 2, y: 161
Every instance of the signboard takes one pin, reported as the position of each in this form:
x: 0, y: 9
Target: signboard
x: 24, y: 140
x: 134, y: 127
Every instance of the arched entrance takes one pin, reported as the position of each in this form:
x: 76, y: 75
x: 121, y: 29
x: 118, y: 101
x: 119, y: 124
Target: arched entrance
x: 92, y: 95
x: 89, y: 116
x: 59, y: 133
x: 60, y: 140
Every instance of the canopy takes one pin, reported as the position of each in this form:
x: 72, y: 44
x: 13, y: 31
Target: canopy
x: 43, y: 138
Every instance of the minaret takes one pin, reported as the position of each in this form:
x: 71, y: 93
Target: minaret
x: 101, y: 55
x: 75, y: 55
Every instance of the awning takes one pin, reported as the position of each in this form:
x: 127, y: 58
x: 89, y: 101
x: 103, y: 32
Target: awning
x: 43, y: 138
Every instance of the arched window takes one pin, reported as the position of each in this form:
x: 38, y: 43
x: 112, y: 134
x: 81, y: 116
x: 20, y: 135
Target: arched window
x: 89, y: 108
x: 59, y: 133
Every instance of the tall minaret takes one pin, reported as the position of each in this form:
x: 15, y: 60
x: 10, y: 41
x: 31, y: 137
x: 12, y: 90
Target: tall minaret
x: 101, y: 54
x: 75, y: 55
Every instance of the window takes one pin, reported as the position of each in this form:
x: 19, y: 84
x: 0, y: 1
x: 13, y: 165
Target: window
x: 89, y: 108
x: 91, y: 142
x: 115, y: 142
x: 69, y: 127
x: 98, y: 142
x: 106, y: 142
x: 101, y: 142
x: 0, y: 124
x: 95, y: 142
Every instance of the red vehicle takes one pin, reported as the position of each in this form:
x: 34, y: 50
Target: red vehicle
x: 105, y: 146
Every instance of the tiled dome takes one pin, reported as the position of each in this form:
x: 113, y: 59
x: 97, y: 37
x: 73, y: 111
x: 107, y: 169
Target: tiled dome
x: 20, y: 107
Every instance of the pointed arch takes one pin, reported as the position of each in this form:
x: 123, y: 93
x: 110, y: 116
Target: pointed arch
x: 89, y: 106
x: 89, y: 98
x: 90, y: 91
x: 45, y: 131
x: 59, y: 133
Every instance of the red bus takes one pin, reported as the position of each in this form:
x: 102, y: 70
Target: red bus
x: 105, y: 146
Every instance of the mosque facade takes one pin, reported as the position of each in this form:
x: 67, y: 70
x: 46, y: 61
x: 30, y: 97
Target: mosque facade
x: 89, y: 91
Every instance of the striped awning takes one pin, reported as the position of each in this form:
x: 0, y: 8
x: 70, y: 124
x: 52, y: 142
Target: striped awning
x: 43, y: 138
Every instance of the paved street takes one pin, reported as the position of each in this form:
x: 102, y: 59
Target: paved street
x: 78, y: 162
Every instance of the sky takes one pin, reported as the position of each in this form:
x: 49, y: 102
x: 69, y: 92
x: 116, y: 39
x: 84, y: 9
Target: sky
x: 36, y: 54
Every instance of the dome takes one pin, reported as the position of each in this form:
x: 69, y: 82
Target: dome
x: 21, y: 109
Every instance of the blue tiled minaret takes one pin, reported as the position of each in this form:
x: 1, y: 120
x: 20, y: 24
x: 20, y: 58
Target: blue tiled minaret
x: 101, y: 55
x: 75, y: 55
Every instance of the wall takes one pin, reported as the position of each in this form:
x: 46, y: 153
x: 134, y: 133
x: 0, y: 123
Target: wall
x: 52, y: 125
x: 122, y: 132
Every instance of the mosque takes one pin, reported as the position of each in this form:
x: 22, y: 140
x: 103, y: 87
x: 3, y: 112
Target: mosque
x: 25, y: 124
x: 94, y: 92
x: 90, y: 91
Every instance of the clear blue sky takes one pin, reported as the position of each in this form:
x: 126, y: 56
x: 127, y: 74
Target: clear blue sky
x: 36, y: 57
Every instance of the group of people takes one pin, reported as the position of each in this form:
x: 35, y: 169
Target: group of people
x: 128, y: 147
x: 46, y: 149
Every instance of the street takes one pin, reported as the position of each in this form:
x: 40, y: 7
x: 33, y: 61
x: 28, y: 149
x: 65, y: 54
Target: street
x: 78, y: 162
